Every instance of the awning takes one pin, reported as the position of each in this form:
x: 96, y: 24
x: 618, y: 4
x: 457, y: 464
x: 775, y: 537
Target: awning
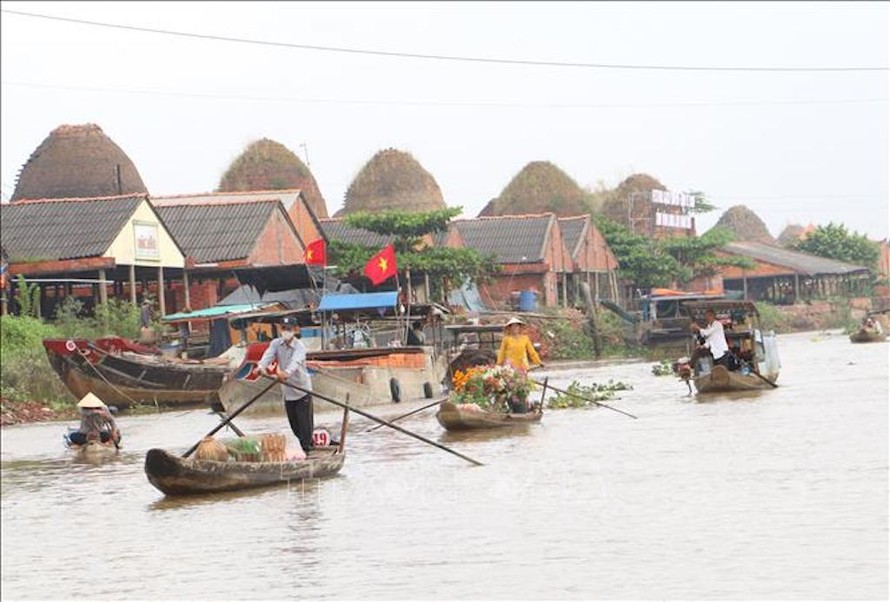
x: 385, y: 300
x: 216, y: 311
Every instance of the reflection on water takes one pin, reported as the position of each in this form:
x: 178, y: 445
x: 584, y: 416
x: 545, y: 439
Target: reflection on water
x: 771, y: 494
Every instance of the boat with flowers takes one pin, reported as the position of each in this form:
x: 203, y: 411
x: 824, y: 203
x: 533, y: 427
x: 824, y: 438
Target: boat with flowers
x: 486, y: 397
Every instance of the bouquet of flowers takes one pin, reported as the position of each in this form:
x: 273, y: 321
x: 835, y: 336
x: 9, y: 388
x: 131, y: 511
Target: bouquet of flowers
x: 490, y: 387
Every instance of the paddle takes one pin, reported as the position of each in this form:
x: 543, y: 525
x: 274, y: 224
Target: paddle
x: 229, y: 418
x: 765, y: 379
x: 380, y: 420
x: 564, y: 392
x: 426, y: 407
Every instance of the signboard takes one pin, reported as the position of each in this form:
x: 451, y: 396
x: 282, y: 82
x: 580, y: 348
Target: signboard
x: 670, y: 220
x: 667, y: 197
x: 145, y: 235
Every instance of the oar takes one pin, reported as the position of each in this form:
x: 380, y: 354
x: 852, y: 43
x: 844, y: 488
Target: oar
x: 229, y: 418
x: 564, y: 392
x: 380, y: 420
x: 426, y: 407
x: 765, y: 379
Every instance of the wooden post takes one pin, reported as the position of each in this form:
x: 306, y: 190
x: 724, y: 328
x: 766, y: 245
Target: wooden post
x: 744, y: 287
x: 591, y: 316
x: 185, y: 284
x: 133, y: 284
x: 162, y: 303
x: 796, y: 288
x: 103, y: 290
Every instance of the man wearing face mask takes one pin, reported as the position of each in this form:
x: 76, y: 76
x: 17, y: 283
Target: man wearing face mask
x: 290, y: 353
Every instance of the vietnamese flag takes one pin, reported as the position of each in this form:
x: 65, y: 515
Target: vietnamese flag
x: 316, y: 253
x: 382, y: 265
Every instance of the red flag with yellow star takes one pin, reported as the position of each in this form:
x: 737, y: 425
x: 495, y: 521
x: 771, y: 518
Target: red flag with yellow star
x: 382, y: 265
x: 316, y: 253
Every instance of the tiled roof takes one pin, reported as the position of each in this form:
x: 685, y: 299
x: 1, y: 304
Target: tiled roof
x: 217, y: 232
x: 285, y: 196
x: 802, y: 263
x: 336, y: 230
x: 572, y: 228
x: 55, y: 229
x: 511, y: 239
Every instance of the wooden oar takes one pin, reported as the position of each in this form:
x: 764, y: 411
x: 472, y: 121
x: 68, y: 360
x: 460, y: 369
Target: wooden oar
x: 564, y: 392
x: 765, y: 379
x: 380, y: 420
x: 229, y: 418
x: 426, y: 407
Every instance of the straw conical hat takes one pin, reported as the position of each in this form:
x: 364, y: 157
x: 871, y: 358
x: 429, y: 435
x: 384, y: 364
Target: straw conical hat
x: 90, y: 401
x: 513, y: 320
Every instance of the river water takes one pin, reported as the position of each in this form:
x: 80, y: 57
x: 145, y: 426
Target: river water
x: 781, y: 494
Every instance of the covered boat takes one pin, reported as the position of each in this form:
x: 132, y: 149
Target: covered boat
x: 754, y: 356
x: 123, y: 373
x: 363, y: 354
x: 468, y: 416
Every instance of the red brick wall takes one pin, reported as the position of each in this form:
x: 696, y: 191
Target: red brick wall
x: 278, y: 244
x: 497, y: 293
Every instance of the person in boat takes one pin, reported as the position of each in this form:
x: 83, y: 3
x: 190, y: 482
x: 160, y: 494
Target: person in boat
x: 290, y: 353
x: 516, y: 348
x: 714, y: 340
x: 415, y: 334
x: 872, y: 326
x: 96, y: 423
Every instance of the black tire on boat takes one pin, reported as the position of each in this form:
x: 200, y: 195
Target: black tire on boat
x: 428, y: 390
x: 395, y: 390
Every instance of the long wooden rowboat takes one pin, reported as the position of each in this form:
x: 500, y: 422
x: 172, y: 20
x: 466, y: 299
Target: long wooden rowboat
x: 456, y: 418
x: 174, y: 475
x: 864, y: 336
x: 721, y: 379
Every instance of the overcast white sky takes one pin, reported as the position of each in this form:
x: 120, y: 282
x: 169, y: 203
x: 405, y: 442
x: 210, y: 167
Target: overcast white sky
x: 794, y: 146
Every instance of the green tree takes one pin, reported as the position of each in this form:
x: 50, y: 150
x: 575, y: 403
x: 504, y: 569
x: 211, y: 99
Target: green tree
x: 835, y: 242
x: 640, y: 259
x: 696, y: 256
x: 446, y: 267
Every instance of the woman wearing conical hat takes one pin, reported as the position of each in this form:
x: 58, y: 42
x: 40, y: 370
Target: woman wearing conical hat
x: 516, y: 348
x: 96, y: 422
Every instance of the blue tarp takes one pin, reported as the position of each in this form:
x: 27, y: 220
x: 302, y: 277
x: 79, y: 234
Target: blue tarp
x: 384, y: 300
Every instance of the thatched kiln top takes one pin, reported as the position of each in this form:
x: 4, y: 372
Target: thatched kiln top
x: 745, y: 225
x: 269, y: 165
x: 77, y: 161
x: 539, y: 187
x: 393, y: 179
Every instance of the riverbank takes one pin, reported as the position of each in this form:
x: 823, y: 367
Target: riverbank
x: 22, y: 412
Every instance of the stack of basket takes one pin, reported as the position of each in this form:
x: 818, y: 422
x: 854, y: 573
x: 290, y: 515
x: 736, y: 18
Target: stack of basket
x: 273, y: 446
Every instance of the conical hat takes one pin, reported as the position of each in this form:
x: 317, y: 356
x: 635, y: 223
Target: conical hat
x: 90, y: 401
x: 513, y: 320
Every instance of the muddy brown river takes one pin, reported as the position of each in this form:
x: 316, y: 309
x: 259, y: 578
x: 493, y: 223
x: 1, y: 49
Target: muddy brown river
x: 781, y: 494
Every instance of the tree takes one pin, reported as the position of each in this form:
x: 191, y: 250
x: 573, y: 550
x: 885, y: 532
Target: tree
x: 446, y: 267
x: 640, y: 259
x: 835, y: 242
x: 695, y: 255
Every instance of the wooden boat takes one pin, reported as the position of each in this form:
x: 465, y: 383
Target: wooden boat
x: 462, y: 417
x: 868, y: 336
x: 91, y: 449
x: 174, y: 475
x: 123, y: 373
x: 754, y: 353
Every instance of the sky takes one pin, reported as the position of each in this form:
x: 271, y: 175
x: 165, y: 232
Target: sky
x: 732, y: 99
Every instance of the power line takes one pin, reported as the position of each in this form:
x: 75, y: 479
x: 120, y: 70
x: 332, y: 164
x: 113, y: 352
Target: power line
x: 443, y: 57
x: 437, y: 103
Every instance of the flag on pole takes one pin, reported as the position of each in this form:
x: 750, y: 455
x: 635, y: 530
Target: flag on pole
x: 382, y: 265
x: 316, y: 253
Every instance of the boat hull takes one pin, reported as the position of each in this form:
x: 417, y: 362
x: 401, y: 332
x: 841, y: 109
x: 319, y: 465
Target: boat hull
x: 125, y: 378
x: 93, y: 450
x: 173, y: 475
x: 719, y: 379
x: 454, y: 418
x: 868, y: 337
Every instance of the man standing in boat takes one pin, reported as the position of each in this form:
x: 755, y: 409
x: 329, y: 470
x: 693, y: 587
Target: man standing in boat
x: 290, y: 353
x: 715, y: 339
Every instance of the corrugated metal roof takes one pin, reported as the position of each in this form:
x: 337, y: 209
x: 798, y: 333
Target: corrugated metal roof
x: 572, y: 228
x: 336, y: 230
x: 802, y: 263
x: 217, y: 232
x: 511, y: 239
x: 386, y: 299
x: 49, y: 230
